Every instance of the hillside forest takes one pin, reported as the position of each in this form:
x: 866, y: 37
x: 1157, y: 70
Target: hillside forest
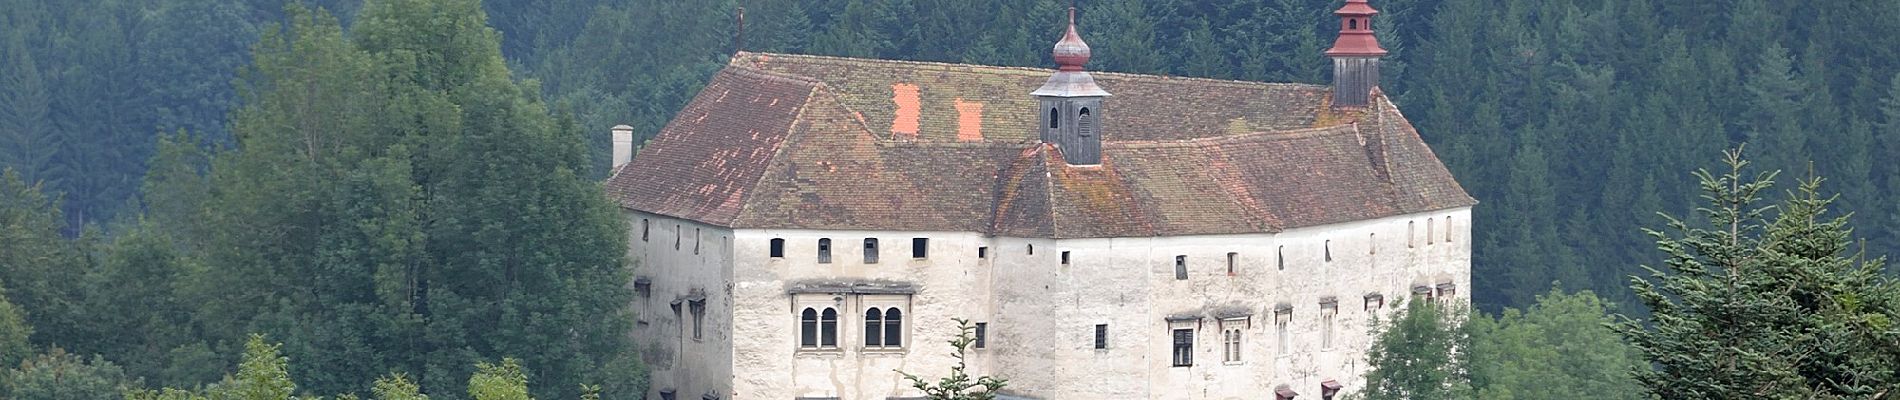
x: 329, y: 174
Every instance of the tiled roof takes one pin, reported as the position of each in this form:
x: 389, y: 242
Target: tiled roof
x: 808, y: 142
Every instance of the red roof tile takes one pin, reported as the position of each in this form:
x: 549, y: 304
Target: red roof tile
x: 786, y: 141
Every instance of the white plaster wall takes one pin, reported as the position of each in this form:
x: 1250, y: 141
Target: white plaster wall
x: 950, y: 283
x: 1041, y: 313
x: 691, y: 367
x: 1047, y: 311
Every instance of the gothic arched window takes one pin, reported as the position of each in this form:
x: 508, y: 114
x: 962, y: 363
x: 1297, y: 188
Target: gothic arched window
x: 1054, y: 119
x: 1083, y: 123
x: 873, y: 326
x: 808, y: 328
x: 893, y: 327
x: 828, y: 329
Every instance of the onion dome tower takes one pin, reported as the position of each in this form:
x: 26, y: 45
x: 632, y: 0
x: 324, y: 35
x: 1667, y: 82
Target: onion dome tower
x: 1355, y: 56
x: 1072, y: 103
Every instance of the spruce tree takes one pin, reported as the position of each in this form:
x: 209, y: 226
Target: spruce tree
x: 1764, y: 301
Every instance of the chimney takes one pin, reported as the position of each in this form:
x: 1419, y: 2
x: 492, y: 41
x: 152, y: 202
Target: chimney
x: 623, y: 145
x: 1355, y: 56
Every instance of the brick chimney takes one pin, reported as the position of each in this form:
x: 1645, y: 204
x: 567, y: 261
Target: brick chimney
x: 1355, y: 56
x: 623, y: 145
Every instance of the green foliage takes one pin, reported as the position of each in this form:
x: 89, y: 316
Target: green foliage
x: 1764, y: 301
x: 1558, y: 347
x: 14, y: 331
x: 58, y: 375
x: 504, y: 381
x: 1419, y: 354
x: 959, y: 385
x: 397, y: 387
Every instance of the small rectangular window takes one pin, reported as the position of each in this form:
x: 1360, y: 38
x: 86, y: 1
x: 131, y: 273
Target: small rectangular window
x: 1183, y: 347
x: 1101, y: 336
x: 1329, y: 251
x: 696, y: 240
x: 1326, y: 326
x: 983, y: 252
x: 870, y: 251
x: 919, y: 247
x: 982, y: 331
x: 646, y: 227
x: 1372, y: 243
x: 1279, y: 257
x: 1411, y: 231
x: 678, y: 232
x: 824, y: 251
x: 1180, y: 268
x: 778, y: 248
x: 1232, y: 258
x: 1065, y: 258
x: 1429, y: 222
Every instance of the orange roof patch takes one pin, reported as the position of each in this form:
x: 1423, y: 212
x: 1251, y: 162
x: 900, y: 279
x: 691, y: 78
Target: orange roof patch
x: 909, y: 108
x: 969, y: 120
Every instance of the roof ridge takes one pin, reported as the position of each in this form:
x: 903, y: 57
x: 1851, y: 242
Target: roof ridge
x: 754, y: 72
x: 1036, y: 70
x: 1287, y: 134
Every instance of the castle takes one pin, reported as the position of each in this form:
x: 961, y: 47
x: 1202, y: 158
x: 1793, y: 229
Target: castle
x: 809, y: 225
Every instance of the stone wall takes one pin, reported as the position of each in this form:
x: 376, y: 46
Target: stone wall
x: 681, y: 260
x: 1041, y: 312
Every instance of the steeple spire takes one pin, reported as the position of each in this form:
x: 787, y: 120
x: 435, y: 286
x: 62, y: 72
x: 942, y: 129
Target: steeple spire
x: 1355, y: 55
x: 1071, y: 52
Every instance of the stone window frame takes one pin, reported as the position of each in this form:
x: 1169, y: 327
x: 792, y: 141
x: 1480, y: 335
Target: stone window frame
x: 982, y: 335
x: 870, y: 250
x: 1183, y: 347
x: 698, y: 308
x: 1233, y: 334
x: 1375, y: 301
x: 1180, y: 268
x: 1328, y: 317
x: 1283, y: 330
x: 811, y: 329
x: 824, y: 250
x: 901, y: 303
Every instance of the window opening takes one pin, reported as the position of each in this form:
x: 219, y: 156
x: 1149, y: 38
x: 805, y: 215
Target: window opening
x: 873, y: 324
x: 1101, y: 336
x: 1446, y: 228
x: 1352, y: 24
x: 919, y: 247
x: 1180, y: 268
x: 1083, y: 123
x: 1231, y: 345
x: 1326, y: 314
x: 1429, y: 222
x: 828, y: 328
x: 870, y: 251
x: 824, y: 251
x: 1032, y: 249
x: 808, y: 328
x: 893, y: 328
x: 1281, y: 319
x: 1183, y: 347
x: 982, y: 331
x: 1065, y: 257
x: 1329, y: 250
x: 983, y: 252
x: 1280, y: 257
x: 1372, y: 243
x: 646, y: 227
x: 1411, y: 230
x: 1054, y: 118
x: 696, y: 240
x: 677, y: 233
x: 1231, y: 259
x: 778, y: 248
x: 699, y: 318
